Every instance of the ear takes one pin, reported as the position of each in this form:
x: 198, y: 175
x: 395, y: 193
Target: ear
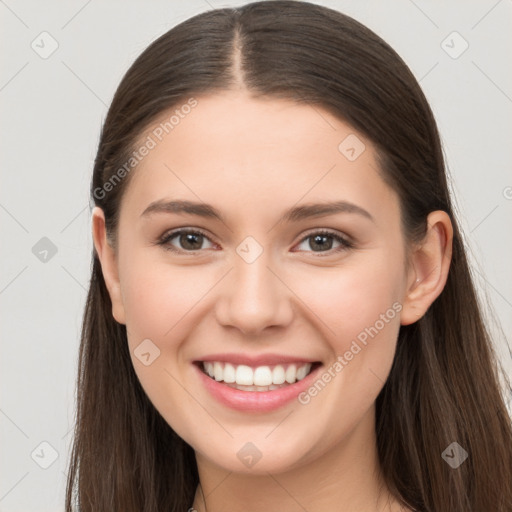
x: 429, y: 269
x: 108, y: 261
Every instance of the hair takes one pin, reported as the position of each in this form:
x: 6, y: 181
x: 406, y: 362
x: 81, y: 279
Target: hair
x: 444, y: 384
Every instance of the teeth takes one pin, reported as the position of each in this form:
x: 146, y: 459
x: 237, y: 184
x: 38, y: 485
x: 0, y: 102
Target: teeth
x: 256, y: 388
x: 291, y: 374
x: 262, y: 378
x: 244, y: 375
x: 278, y: 375
x: 301, y: 372
x: 218, y: 372
x: 229, y: 373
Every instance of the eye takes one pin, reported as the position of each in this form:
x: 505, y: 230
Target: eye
x: 190, y: 240
x: 320, y: 240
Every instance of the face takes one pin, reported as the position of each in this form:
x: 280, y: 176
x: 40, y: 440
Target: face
x: 262, y: 295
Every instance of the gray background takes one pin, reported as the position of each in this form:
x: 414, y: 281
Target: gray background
x: 51, y: 111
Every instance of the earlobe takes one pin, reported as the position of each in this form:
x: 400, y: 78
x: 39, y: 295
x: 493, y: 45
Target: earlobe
x: 430, y: 267
x: 108, y: 261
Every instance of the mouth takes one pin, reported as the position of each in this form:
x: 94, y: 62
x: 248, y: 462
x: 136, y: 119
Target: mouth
x: 257, y: 379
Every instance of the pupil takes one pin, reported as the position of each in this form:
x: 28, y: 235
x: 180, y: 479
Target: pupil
x: 189, y: 238
x: 319, y: 239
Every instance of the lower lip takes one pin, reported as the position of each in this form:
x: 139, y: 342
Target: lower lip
x: 255, y: 401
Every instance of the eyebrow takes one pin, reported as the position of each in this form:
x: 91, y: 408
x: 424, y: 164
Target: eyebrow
x: 294, y: 214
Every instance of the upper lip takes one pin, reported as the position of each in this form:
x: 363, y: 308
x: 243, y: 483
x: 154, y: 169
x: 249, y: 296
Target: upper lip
x: 255, y: 361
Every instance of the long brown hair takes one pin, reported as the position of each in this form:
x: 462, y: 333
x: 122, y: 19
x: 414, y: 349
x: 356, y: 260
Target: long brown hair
x: 444, y: 384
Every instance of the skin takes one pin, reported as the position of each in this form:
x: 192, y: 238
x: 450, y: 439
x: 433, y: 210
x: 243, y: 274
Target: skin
x: 253, y: 159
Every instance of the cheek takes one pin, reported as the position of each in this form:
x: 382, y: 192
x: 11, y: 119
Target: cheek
x: 357, y: 311
x: 158, y: 296
x: 161, y: 304
x: 350, y: 301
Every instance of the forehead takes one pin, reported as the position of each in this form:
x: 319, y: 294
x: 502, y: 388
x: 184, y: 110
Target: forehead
x: 246, y: 153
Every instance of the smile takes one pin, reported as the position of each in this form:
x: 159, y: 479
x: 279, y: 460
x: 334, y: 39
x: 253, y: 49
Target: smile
x: 260, y: 388
x: 260, y: 378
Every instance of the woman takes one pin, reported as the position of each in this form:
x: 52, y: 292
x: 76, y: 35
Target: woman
x: 281, y: 314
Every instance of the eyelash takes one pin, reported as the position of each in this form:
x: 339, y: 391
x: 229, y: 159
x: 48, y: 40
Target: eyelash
x: 167, y: 237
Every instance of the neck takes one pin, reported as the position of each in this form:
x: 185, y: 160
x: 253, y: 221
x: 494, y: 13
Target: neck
x: 346, y: 477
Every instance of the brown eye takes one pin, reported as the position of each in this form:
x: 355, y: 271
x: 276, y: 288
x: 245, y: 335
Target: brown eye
x: 188, y: 240
x: 322, y: 241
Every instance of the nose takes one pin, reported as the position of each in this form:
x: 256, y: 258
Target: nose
x: 254, y: 297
